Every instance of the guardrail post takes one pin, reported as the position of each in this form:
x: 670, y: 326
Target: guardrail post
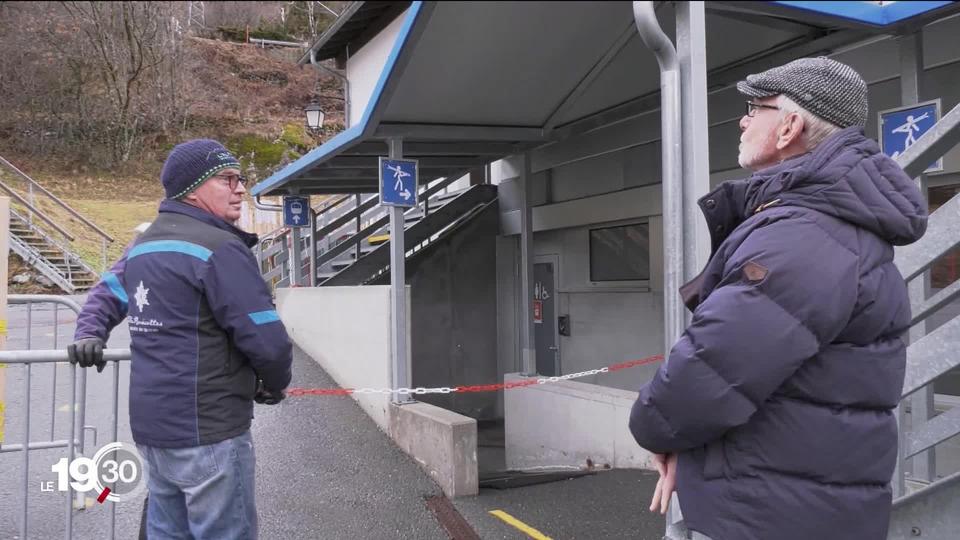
x: 4, y: 249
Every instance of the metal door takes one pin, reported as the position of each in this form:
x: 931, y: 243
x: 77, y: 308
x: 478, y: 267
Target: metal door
x: 545, y: 316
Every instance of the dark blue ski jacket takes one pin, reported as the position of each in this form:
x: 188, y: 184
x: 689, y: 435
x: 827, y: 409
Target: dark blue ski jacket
x: 203, y: 328
x: 779, y: 396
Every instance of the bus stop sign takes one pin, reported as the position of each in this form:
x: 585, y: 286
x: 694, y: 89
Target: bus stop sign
x: 296, y: 211
x: 398, y: 182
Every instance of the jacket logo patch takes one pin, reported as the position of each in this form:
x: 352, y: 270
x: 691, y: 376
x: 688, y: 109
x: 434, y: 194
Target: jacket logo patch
x: 141, y: 297
x: 754, y: 272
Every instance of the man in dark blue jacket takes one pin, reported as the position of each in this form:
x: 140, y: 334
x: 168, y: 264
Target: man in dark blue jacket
x: 774, y: 410
x: 203, y: 333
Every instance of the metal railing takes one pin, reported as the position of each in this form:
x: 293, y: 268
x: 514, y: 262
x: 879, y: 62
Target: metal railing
x: 77, y: 406
x: 923, y: 511
x: 61, y: 277
x: 33, y: 185
x: 322, y: 249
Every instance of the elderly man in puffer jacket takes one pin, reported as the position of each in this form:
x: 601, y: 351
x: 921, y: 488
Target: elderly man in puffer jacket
x: 775, y: 409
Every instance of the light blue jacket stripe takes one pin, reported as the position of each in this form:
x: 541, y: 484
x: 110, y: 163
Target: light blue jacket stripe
x: 176, y: 246
x: 115, y: 287
x: 264, y: 317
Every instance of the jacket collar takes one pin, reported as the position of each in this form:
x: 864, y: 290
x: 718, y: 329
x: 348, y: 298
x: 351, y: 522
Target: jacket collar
x: 177, y: 207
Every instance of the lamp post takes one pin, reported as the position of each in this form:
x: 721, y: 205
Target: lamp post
x: 314, y: 116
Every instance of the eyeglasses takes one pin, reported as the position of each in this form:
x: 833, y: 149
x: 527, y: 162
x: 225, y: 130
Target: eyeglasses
x: 752, y: 108
x: 232, y: 180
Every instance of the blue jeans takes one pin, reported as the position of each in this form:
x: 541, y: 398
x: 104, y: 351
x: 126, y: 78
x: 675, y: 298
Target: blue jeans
x: 203, y: 492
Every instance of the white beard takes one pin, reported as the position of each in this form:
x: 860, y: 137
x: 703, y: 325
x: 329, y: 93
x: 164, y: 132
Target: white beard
x: 752, y: 156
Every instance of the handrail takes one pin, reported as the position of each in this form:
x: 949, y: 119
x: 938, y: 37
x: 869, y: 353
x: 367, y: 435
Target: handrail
x: 933, y: 144
x: 68, y: 254
x: 17, y: 299
x: 372, y: 201
x: 57, y: 200
x: 39, y: 214
x: 370, y: 229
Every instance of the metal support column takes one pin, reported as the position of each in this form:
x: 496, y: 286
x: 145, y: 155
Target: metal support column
x: 398, y: 291
x: 296, y: 258
x: 312, y: 282
x: 672, y: 177
x: 922, y: 466
x: 358, y: 202
x: 528, y: 347
x: 692, y: 55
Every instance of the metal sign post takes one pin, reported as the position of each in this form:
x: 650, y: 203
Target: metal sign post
x: 398, y: 189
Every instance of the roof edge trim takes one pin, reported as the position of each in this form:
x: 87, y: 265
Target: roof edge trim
x: 867, y: 12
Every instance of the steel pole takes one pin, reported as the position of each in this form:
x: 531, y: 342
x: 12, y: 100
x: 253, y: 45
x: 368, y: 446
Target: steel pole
x: 528, y: 344
x: 692, y: 56
x: 398, y: 291
x: 672, y: 181
x: 296, y: 258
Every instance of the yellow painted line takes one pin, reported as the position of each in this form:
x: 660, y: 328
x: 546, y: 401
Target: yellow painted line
x: 516, y: 523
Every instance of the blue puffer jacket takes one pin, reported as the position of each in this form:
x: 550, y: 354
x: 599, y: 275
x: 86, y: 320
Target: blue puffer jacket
x: 779, y: 397
x: 202, y: 328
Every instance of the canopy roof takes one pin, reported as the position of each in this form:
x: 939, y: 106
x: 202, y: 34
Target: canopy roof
x: 467, y: 83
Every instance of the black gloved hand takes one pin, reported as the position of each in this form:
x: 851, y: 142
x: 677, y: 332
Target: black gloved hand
x: 87, y: 352
x: 266, y: 397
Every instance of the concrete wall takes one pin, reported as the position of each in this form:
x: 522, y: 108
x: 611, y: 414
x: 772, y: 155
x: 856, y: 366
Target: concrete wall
x: 568, y: 423
x: 609, y: 324
x: 347, y: 331
x: 454, y: 315
x: 365, y: 66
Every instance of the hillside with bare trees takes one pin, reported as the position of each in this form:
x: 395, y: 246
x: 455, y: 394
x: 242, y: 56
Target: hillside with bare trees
x: 94, y: 94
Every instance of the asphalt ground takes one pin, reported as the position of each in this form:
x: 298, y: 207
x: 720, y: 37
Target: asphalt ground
x: 324, y: 469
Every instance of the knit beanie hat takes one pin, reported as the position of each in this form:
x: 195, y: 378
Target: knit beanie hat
x: 191, y: 164
x: 827, y: 88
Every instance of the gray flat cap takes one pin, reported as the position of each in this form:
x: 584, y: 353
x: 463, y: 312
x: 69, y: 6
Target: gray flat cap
x: 825, y: 87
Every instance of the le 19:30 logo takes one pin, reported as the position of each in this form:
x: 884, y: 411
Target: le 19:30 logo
x: 115, y: 473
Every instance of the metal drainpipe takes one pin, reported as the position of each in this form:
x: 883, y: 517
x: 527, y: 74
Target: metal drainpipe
x: 265, y: 206
x: 346, y: 86
x: 672, y: 181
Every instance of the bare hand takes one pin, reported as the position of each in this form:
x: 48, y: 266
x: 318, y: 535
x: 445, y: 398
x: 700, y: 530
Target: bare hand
x: 667, y: 467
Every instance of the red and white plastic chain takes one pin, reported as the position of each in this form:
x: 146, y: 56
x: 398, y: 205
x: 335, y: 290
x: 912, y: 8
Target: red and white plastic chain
x: 420, y: 390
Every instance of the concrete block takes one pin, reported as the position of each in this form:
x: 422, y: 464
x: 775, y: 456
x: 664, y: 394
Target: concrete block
x: 570, y: 424
x: 443, y: 442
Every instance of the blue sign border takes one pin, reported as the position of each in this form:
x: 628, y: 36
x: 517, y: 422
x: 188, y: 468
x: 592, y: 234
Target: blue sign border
x: 416, y: 182
x: 936, y: 166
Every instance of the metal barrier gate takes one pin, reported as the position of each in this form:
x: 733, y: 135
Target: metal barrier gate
x: 77, y: 405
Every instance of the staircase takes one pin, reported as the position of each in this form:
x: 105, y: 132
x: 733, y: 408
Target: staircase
x: 352, y: 236
x: 925, y: 506
x: 34, y: 237
x: 420, y: 231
